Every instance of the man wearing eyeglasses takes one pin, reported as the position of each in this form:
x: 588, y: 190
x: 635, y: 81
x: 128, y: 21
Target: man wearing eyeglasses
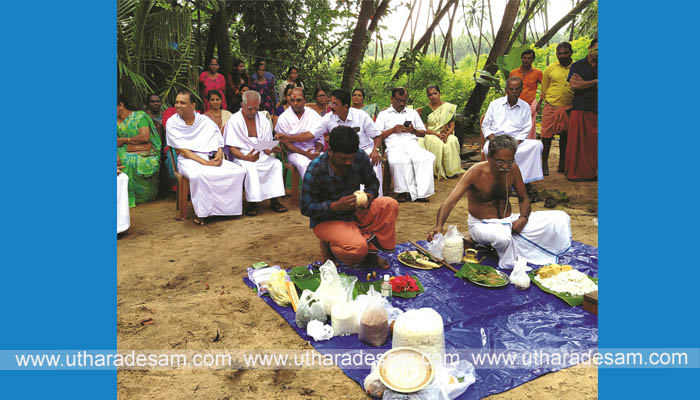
x: 295, y: 120
x: 511, y: 116
x: 540, y: 237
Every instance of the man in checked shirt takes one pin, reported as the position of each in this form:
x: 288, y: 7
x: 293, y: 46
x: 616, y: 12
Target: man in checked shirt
x: 348, y: 233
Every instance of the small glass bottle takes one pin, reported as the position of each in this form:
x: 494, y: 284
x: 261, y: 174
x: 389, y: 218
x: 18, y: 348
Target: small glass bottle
x: 386, y: 287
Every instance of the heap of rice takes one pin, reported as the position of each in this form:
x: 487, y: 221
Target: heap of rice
x: 574, y: 282
x: 422, y: 330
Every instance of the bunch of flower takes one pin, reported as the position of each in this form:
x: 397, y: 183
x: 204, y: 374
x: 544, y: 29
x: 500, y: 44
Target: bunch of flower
x: 403, y: 284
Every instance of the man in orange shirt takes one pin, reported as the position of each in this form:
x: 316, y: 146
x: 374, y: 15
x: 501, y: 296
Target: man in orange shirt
x: 531, y: 77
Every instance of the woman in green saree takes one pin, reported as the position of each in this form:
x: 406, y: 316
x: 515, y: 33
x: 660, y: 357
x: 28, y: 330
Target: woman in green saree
x: 138, y: 148
x: 439, y: 119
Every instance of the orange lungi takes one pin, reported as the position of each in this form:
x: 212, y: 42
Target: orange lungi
x: 350, y: 241
x: 554, y: 120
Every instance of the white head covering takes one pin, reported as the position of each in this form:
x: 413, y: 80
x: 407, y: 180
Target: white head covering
x: 202, y: 136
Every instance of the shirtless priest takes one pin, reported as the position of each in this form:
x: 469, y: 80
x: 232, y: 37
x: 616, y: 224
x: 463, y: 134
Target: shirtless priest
x: 540, y: 237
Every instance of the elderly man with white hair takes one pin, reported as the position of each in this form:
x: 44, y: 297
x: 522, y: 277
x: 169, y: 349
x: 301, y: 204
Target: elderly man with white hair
x: 510, y: 115
x: 243, y: 132
x: 298, y: 119
x: 216, y: 184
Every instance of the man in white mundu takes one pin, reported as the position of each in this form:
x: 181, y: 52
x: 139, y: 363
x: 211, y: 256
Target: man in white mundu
x: 343, y: 115
x: 123, y: 219
x: 297, y: 119
x: 215, y: 184
x: 245, y: 130
x: 512, y: 116
x: 411, y: 165
x: 540, y: 237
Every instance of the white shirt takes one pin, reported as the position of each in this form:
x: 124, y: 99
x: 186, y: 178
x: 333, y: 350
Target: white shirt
x: 389, y: 118
x: 289, y: 123
x: 355, y: 119
x: 503, y: 119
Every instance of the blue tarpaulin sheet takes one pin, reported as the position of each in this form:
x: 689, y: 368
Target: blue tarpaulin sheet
x: 484, y: 319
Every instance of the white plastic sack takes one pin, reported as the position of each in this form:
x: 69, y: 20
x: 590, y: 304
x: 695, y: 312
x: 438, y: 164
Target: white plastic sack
x: 454, y: 246
x: 372, y: 384
x: 260, y: 277
x: 436, y: 246
x: 459, y: 376
x: 310, y: 308
x: 518, y: 276
x: 317, y: 330
x: 332, y: 288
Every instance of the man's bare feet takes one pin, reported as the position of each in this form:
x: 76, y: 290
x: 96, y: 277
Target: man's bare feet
x: 374, y: 261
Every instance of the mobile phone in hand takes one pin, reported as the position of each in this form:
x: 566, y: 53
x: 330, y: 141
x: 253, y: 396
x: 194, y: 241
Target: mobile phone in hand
x: 407, y: 124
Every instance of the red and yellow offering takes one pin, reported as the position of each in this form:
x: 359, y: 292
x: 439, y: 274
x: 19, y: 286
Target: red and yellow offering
x: 404, y: 283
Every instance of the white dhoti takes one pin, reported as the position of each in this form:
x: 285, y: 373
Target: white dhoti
x: 545, y: 237
x: 300, y: 162
x: 123, y: 216
x: 263, y: 178
x: 377, y: 171
x: 412, y: 169
x: 529, y: 159
x: 214, y: 190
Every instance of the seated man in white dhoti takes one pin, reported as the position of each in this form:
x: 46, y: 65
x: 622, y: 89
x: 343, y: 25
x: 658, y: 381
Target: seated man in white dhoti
x: 216, y: 185
x: 123, y: 216
x: 411, y: 165
x: 295, y: 120
x: 512, y: 116
x: 245, y: 130
x: 343, y: 115
x: 540, y: 237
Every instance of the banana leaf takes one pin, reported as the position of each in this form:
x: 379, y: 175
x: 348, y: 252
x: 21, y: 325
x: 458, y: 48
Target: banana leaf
x: 305, y: 279
x: 473, y: 272
x: 568, y: 298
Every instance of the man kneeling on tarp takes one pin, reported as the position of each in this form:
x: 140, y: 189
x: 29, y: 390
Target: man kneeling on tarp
x: 540, y: 236
x: 350, y: 231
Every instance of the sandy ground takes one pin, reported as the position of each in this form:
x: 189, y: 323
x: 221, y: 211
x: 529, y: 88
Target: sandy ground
x: 188, y: 280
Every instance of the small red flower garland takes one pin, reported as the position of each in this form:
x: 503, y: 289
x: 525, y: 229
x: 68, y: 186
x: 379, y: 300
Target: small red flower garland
x: 403, y: 284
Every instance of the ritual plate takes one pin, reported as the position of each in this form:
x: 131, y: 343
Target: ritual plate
x: 409, y: 257
x: 483, y: 275
x: 405, y: 370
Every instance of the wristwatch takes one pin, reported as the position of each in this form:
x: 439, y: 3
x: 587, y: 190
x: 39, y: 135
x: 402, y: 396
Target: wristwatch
x: 378, y: 150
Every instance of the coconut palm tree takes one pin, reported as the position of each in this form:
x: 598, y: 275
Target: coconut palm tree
x: 155, y: 50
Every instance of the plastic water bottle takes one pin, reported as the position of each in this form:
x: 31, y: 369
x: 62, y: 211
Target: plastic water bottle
x: 386, y: 287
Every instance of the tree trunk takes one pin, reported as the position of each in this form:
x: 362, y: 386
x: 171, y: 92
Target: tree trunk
x: 568, y: 17
x: 426, y: 36
x: 359, y: 39
x: 211, y: 43
x: 573, y: 23
x: 223, y: 46
x: 398, y: 45
x: 357, y: 45
x: 493, y: 31
x: 448, y: 37
x: 478, y: 95
x: 521, y: 25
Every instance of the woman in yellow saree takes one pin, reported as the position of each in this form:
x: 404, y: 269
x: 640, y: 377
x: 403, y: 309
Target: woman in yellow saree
x: 439, y: 119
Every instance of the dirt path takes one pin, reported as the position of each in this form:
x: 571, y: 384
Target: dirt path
x: 188, y: 279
